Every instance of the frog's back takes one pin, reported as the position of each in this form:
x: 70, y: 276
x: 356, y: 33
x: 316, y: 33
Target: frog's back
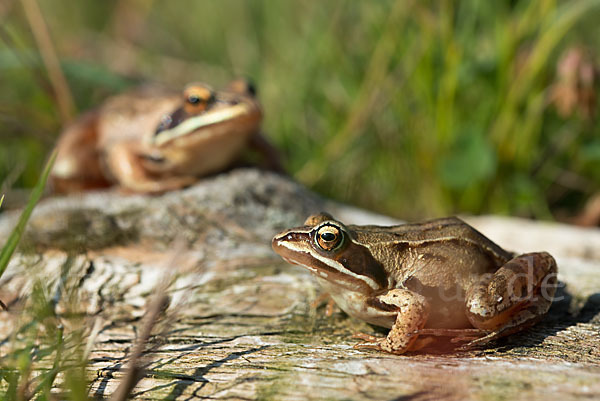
x: 440, y: 229
x: 439, y: 259
x: 135, y: 114
x: 442, y: 252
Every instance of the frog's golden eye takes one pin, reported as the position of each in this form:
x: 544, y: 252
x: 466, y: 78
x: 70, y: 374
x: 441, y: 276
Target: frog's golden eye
x: 197, y: 98
x: 328, y: 237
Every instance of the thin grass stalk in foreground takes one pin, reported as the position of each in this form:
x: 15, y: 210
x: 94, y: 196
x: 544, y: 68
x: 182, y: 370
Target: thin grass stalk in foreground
x: 156, y: 311
x: 64, y: 99
x: 15, y: 236
x: 136, y: 370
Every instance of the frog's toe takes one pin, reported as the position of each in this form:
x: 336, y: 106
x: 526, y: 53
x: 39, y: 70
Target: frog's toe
x: 324, y: 298
x: 367, y: 338
x: 481, y: 340
x: 368, y: 345
x: 368, y: 341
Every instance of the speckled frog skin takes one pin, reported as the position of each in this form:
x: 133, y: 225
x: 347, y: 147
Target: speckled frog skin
x: 437, y: 278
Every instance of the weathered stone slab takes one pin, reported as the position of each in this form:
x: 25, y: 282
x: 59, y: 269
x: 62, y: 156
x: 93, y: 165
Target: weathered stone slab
x: 239, y: 324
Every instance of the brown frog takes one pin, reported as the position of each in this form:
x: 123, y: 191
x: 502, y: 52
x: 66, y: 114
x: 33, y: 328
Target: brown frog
x: 153, y: 140
x: 437, y: 278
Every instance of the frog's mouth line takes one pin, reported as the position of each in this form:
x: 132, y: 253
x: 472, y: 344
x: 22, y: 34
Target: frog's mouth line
x: 202, y: 120
x: 329, y: 270
x: 297, y: 263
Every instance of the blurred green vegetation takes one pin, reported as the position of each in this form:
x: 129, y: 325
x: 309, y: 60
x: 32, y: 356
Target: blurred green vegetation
x: 411, y: 108
x: 43, y: 359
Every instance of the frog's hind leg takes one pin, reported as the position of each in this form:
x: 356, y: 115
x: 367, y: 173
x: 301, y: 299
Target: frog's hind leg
x: 514, y: 297
x: 77, y: 166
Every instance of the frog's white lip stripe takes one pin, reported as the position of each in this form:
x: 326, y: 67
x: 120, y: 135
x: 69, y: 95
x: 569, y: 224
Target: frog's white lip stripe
x: 297, y: 262
x: 202, y: 120
x: 329, y: 262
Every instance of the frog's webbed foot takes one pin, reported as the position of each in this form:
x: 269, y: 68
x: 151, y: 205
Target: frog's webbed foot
x: 367, y: 338
x: 368, y: 341
x: 374, y: 342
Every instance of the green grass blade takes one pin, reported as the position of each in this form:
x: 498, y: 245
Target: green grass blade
x: 17, y: 232
x: 1, y: 200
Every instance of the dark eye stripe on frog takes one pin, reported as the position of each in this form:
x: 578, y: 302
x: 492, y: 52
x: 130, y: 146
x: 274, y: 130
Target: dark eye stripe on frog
x: 352, y: 257
x: 357, y: 259
x: 331, y: 269
x: 171, y: 120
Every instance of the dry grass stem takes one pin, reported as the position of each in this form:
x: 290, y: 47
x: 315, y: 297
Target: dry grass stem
x: 48, y: 52
x: 135, y: 370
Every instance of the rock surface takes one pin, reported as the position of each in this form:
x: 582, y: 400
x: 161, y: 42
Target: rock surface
x: 240, y: 321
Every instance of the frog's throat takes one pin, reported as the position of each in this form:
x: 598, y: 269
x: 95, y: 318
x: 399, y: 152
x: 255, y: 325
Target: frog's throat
x: 200, y: 121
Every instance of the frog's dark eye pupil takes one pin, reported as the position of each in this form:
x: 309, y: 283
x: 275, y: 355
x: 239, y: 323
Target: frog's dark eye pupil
x: 328, y: 237
x: 193, y: 99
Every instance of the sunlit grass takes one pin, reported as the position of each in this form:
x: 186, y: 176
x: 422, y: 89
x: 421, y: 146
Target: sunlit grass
x: 15, y: 236
x: 42, y: 359
x: 39, y: 348
x: 411, y: 108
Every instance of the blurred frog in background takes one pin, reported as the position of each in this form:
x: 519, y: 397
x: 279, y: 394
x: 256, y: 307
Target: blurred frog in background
x: 153, y: 140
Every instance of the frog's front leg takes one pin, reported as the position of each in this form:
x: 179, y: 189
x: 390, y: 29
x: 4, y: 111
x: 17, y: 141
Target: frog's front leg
x: 321, y: 299
x: 125, y: 165
x: 514, y: 297
x: 411, y: 311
